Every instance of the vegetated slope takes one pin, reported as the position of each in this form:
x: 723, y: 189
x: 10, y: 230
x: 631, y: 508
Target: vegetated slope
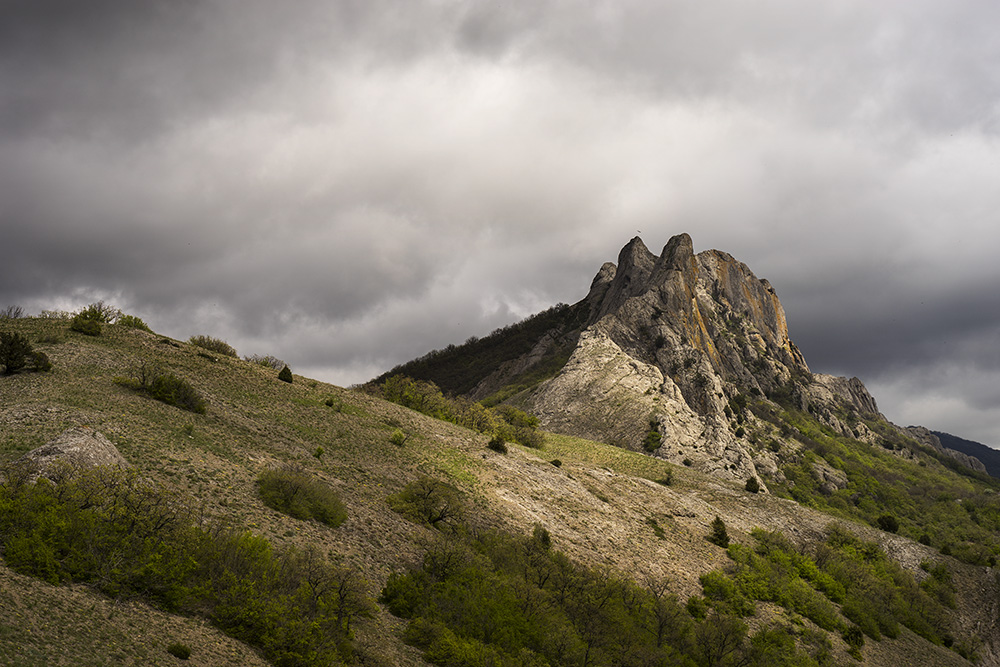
x: 523, y: 354
x: 988, y: 455
x: 605, y: 507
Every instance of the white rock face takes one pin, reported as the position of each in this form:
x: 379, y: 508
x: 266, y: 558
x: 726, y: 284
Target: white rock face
x: 605, y: 394
x: 601, y: 394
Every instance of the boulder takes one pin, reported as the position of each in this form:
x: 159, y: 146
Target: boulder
x: 75, y: 448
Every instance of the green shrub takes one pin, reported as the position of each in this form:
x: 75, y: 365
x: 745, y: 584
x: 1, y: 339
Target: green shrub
x: 430, y: 502
x: 298, y: 494
x: 131, y: 539
x: 556, y: 462
x: 85, y: 325
x: 505, y: 421
x: 697, y: 607
x: 853, y: 637
x: 497, y: 444
x: 285, y: 375
x: 40, y: 361
x: 14, y: 351
x: 179, y: 651
x: 529, y: 437
x: 721, y: 588
x: 99, y: 312
x: 177, y: 392
x: 752, y: 485
x: 888, y: 523
x: 516, y: 417
x: 491, y: 598
x: 133, y: 322
x: 651, y: 442
x: 214, y: 345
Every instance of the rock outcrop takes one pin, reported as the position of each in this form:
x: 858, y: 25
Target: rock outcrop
x: 75, y: 448
x: 683, y: 340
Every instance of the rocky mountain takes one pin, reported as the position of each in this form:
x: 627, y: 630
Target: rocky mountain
x: 666, y: 354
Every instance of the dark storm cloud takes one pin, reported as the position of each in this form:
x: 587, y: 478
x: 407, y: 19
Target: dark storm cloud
x: 350, y: 184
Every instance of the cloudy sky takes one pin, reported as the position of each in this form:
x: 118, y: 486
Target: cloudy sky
x: 349, y: 184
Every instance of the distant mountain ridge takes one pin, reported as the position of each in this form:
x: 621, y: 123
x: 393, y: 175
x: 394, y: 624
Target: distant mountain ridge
x: 989, y: 456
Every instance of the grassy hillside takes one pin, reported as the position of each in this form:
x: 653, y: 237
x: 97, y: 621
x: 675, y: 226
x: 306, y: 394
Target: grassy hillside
x: 614, y: 523
x: 458, y: 369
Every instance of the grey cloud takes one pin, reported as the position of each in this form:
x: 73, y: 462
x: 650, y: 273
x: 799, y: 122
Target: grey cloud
x: 348, y: 185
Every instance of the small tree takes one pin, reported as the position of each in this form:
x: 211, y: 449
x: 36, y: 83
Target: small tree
x: 719, y: 535
x: 285, y: 375
x: 430, y: 502
x: 14, y: 351
x: 652, y: 440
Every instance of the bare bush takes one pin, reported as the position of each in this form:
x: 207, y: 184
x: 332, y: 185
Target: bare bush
x: 265, y: 360
x: 215, y: 345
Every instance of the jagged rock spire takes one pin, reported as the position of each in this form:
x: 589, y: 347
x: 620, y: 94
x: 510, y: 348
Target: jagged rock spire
x: 671, y: 340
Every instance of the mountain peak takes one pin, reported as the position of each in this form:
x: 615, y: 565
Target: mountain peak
x: 673, y: 340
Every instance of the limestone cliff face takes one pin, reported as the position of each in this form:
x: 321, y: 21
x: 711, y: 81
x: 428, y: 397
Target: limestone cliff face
x: 676, y: 340
x: 668, y: 308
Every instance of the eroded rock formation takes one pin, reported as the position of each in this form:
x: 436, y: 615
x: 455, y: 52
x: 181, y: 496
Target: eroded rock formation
x: 684, y: 341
